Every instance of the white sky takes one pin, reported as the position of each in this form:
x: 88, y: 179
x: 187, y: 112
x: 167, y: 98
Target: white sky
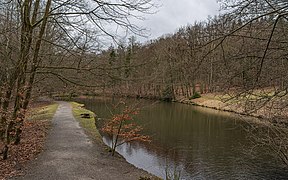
x: 173, y: 14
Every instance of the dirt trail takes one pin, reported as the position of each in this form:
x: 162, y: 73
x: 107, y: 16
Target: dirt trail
x: 70, y: 154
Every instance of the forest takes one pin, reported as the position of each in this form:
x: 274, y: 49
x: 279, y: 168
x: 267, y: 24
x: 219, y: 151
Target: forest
x: 56, y: 48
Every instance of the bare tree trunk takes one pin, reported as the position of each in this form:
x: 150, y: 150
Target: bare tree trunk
x: 26, y: 41
x: 18, y: 76
x: 35, y: 62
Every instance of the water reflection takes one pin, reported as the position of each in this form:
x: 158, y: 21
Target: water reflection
x: 199, y: 143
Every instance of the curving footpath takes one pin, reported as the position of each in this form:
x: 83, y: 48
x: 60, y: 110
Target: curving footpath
x: 69, y: 154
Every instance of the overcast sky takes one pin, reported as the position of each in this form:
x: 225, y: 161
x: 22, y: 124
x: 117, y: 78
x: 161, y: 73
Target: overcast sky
x: 173, y: 14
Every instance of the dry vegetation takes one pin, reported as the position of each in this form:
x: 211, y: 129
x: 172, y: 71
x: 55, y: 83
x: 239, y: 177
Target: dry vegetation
x: 34, y: 132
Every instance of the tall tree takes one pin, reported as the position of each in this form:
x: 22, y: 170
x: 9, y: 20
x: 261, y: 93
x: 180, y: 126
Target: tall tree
x: 32, y: 20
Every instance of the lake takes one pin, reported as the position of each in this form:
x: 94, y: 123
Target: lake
x: 192, y: 142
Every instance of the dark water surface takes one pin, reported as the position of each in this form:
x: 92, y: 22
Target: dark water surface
x: 197, y: 143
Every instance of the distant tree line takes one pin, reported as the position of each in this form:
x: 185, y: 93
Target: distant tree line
x: 219, y: 54
x: 55, y: 46
x: 241, y: 53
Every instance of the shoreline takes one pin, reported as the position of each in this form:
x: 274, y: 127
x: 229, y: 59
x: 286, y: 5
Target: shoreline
x: 211, y: 101
x: 216, y: 105
x: 19, y: 170
x: 89, y: 127
x: 266, y: 110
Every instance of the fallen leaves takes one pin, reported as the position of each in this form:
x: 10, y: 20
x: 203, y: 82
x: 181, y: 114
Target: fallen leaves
x: 32, y: 142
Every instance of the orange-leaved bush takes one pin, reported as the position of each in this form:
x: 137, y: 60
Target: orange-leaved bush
x: 122, y: 129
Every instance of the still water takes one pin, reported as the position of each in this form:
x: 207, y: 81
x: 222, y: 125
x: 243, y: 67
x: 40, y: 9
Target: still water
x: 192, y: 142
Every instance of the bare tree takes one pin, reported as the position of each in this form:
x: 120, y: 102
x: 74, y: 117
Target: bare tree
x: 33, y: 20
x: 263, y: 62
x: 241, y: 53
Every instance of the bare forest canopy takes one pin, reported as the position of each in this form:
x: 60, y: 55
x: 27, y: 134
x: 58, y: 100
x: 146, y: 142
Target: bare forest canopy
x: 41, y: 40
x: 52, y: 46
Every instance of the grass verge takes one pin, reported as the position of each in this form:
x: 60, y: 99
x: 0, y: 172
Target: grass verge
x: 91, y: 130
x: 43, y: 112
x: 87, y: 123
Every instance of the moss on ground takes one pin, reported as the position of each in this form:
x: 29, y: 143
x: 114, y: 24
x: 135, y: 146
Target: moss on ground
x: 43, y: 113
x: 87, y: 123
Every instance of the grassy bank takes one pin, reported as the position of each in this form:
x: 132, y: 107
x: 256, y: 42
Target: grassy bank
x: 45, y: 112
x: 90, y: 128
x: 87, y: 123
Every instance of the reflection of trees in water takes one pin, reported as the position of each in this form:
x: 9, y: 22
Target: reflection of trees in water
x: 162, y: 159
x: 197, y: 161
x: 197, y: 143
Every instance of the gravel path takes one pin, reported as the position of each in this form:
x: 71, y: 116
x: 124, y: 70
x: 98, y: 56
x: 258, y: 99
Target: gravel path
x: 69, y: 154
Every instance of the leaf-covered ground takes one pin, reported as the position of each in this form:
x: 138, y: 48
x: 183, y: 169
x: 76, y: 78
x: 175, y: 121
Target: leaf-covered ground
x: 34, y: 132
